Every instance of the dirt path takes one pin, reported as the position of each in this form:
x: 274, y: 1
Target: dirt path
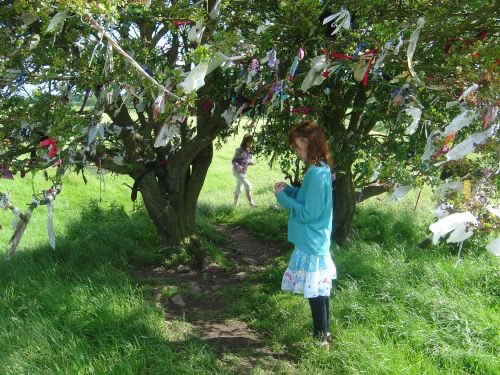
x: 201, y: 303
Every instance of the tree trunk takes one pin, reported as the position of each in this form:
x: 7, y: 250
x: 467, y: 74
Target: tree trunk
x: 344, y: 205
x: 170, y: 196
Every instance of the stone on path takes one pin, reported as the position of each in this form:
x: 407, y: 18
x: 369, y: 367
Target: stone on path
x: 177, y: 299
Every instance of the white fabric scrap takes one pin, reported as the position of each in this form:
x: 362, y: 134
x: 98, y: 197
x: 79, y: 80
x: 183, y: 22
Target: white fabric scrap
x: 118, y: 159
x: 383, y: 55
x: 467, y: 146
x: 442, y: 210
x: 196, y: 32
x: 495, y: 210
x: 195, y: 79
x: 108, y: 64
x: 494, y: 247
x: 400, y: 192
x: 49, y: 199
x: 228, y: 115
x: 340, y: 20
x: 376, y: 172
x: 28, y: 18
x: 413, y: 45
x: 17, y: 216
x: 264, y: 27
x: 35, y: 39
x: 400, y: 44
x: 461, y: 121
x: 56, y: 23
x: 117, y: 129
x: 460, y: 234
x: 217, y: 61
x: 456, y: 221
x: 415, y: 113
x: 467, y: 92
x: 441, y: 190
x: 314, y: 77
x: 158, y: 106
x: 215, y: 12
x: 428, y: 151
x: 166, y: 133
x: 97, y: 130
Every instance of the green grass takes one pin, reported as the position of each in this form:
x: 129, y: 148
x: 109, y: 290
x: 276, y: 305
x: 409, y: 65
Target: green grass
x: 396, y: 309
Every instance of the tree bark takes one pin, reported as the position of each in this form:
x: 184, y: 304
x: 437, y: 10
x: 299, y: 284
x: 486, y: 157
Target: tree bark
x: 344, y: 205
x: 170, y: 196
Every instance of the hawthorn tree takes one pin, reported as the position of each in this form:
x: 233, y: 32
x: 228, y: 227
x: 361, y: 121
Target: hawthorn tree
x: 383, y: 79
x: 133, y: 87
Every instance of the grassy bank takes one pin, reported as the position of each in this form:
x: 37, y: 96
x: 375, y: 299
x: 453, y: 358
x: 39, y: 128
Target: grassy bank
x: 397, y: 309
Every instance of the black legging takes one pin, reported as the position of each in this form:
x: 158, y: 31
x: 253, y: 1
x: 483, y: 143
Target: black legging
x: 320, y: 315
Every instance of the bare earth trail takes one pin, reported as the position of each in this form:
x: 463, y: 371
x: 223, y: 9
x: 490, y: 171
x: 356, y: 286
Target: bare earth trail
x: 198, y: 299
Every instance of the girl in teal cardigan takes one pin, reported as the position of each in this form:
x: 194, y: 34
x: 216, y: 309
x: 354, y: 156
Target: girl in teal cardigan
x: 311, y: 269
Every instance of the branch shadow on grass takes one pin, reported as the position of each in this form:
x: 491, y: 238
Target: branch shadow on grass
x: 75, y: 309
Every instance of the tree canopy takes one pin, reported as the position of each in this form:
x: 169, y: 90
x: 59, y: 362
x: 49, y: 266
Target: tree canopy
x: 143, y: 88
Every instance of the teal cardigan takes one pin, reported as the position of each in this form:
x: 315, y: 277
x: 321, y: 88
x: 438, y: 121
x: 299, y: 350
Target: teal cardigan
x: 311, y: 211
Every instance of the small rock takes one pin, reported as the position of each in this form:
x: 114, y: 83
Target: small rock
x: 241, y: 275
x: 250, y: 261
x: 195, y: 287
x: 177, y: 299
x: 181, y: 268
x: 213, y: 267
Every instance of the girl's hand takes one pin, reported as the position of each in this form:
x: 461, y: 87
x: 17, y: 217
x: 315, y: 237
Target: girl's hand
x: 279, y: 186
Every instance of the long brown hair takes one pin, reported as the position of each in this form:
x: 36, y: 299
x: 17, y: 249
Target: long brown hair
x: 246, y: 141
x: 318, y: 148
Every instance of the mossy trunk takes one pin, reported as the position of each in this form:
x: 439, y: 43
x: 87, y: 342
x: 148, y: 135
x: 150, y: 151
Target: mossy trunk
x: 170, y: 196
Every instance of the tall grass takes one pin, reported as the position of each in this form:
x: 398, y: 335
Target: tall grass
x: 396, y: 309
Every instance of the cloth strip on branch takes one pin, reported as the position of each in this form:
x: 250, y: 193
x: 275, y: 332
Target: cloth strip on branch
x: 19, y: 231
x: 314, y: 77
x: 413, y: 45
x: 415, y: 113
x: 400, y: 192
x: 195, y: 79
x: 196, y: 32
x: 494, y: 247
x: 340, y: 20
x: 134, y: 63
x: 466, y: 147
x: 215, y: 12
x: 462, y: 120
x: 467, y: 92
x: 24, y: 219
x: 456, y: 224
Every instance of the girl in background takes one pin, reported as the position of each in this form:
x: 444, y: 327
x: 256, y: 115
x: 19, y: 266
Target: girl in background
x: 241, y: 160
x: 311, y: 270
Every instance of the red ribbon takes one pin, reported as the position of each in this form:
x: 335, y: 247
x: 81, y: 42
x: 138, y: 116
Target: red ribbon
x: 51, y: 144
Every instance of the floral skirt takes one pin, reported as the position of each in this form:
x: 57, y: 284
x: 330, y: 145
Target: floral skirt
x: 310, y: 275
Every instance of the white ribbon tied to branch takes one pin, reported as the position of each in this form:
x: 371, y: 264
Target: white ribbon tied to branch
x: 415, y: 113
x: 340, y: 20
x: 196, y: 32
x: 195, y: 79
x: 413, y: 45
x: 166, y: 133
x: 494, y: 247
x: 215, y: 12
x: 462, y: 120
x: 400, y: 192
x: 466, y: 147
x: 49, y: 199
x: 455, y: 224
x: 314, y: 77
x: 127, y: 57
